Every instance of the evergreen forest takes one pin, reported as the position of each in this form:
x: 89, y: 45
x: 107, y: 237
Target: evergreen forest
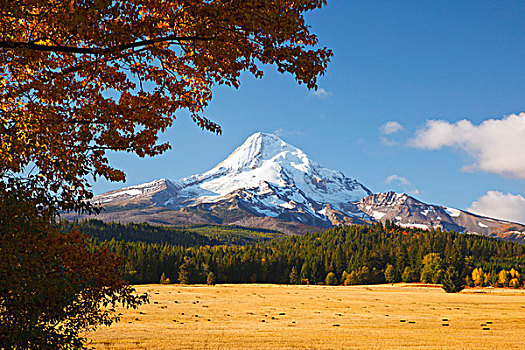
x: 367, y: 254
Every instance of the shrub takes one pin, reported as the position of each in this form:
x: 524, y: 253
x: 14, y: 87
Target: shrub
x: 164, y: 279
x: 331, y: 280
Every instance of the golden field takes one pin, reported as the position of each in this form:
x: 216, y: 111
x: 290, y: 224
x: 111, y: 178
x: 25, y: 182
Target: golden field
x: 255, y: 316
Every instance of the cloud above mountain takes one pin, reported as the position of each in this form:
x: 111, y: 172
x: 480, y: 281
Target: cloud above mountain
x: 282, y: 132
x: 401, y: 184
x: 495, y: 145
x: 500, y: 205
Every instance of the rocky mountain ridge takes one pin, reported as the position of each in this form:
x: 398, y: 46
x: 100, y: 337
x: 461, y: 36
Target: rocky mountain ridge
x: 406, y: 211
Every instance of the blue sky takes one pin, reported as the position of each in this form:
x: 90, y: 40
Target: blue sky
x: 403, y: 62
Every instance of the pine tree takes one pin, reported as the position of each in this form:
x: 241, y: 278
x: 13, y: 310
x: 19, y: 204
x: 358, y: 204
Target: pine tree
x: 210, y: 280
x: 455, y: 274
x: 339, y: 260
x: 305, y: 272
x: 294, y: 276
x: 184, y: 273
x: 452, y: 280
x: 363, y: 277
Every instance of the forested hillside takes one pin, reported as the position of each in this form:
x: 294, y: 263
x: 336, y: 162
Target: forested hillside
x: 341, y: 255
x: 195, y: 235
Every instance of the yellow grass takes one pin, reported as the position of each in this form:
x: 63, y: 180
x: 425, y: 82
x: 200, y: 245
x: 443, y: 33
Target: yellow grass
x: 319, y: 317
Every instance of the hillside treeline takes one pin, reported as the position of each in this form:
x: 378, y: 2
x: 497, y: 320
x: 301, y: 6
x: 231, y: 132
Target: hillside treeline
x: 194, y: 235
x: 341, y: 255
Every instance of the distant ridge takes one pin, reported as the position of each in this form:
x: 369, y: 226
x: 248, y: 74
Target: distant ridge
x: 407, y: 211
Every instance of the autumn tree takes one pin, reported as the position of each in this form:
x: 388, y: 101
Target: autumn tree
x: 514, y: 283
x: 52, y: 286
x: 408, y: 275
x: 390, y: 274
x: 351, y: 279
x: 432, y: 270
x: 514, y: 273
x: 478, y: 277
x: 81, y: 78
x: 164, y: 279
x: 503, y: 278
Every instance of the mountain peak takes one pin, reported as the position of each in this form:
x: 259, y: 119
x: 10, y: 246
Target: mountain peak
x: 264, y: 136
x: 257, y: 148
x: 271, y: 178
x: 276, y: 176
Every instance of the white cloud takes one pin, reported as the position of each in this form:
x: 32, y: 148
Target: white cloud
x: 390, y: 128
x: 321, y: 93
x: 401, y: 184
x: 496, y: 145
x: 396, y: 178
x: 281, y: 132
x: 499, y: 205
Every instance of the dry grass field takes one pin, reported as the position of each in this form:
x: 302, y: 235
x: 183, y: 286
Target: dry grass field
x: 319, y: 317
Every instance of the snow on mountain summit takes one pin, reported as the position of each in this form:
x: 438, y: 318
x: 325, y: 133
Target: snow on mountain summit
x: 257, y: 146
x: 267, y: 159
x: 271, y: 177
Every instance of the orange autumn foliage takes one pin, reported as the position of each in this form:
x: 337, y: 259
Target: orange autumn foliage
x: 83, y: 77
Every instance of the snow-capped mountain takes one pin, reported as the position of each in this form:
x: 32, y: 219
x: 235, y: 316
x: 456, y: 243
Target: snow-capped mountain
x: 268, y: 183
x: 276, y: 176
x: 264, y: 177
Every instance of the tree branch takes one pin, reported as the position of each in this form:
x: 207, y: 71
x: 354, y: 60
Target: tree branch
x: 97, y: 51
